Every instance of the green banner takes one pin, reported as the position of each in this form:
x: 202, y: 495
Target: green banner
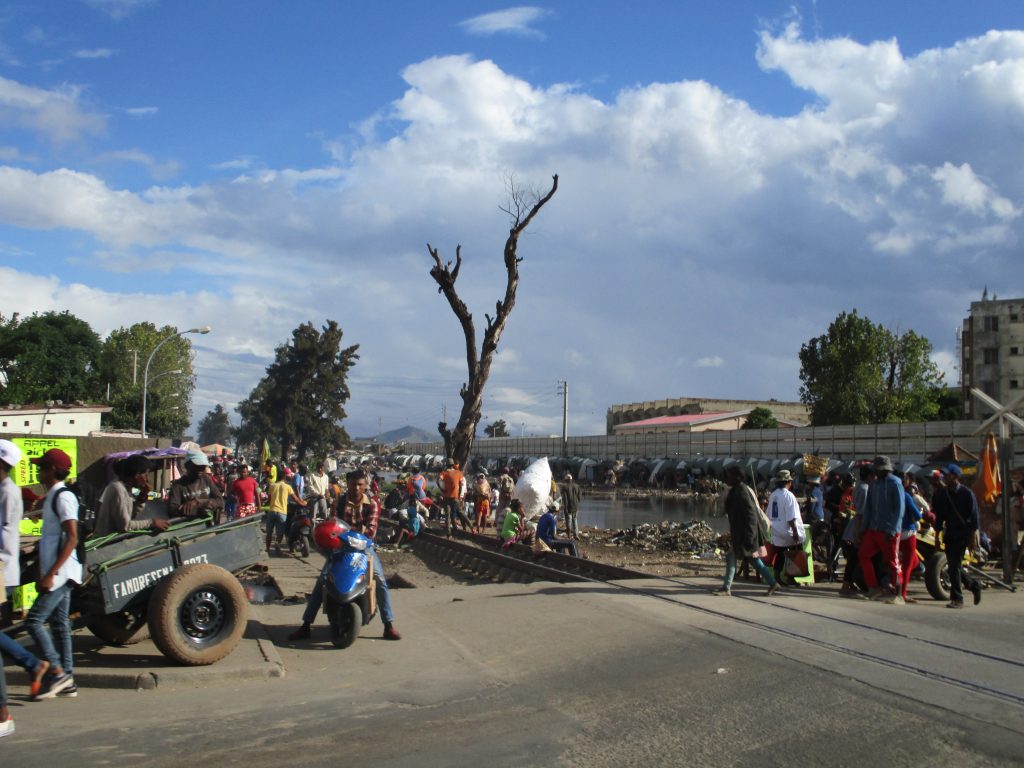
x: 31, y: 447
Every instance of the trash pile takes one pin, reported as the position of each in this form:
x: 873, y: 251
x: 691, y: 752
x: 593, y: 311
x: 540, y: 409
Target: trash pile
x: 695, y: 537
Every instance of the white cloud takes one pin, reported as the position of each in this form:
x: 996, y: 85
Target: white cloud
x: 515, y: 21
x: 93, y: 53
x: 159, y: 170
x: 56, y: 114
x: 710, y: 362
x: 119, y: 9
x: 685, y: 219
x: 141, y: 111
x: 962, y: 188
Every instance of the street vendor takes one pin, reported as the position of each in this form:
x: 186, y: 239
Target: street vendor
x: 195, y: 494
x: 117, y: 504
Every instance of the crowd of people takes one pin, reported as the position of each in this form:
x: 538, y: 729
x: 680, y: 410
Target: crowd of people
x: 871, y: 521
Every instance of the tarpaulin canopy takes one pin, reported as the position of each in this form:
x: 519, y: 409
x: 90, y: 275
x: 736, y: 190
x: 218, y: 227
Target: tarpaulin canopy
x: 149, y: 453
x: 952, y: 452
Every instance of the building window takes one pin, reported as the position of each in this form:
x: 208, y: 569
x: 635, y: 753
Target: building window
x: 991, y: 323
x: 1014, y: 318
x: 5, y: 423
x: 49, y: 422
x: 26, y: 423
x: 71, y: 421
x: 1014, y: 384
x: 1014, y: 350
x: 991, y: 355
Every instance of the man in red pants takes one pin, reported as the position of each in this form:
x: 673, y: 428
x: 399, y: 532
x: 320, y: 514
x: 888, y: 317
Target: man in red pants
x: 883, y: 517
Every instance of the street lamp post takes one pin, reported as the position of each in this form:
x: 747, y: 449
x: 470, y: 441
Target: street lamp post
x: 145, y: 376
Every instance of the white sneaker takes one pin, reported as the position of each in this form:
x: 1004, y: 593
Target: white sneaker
x: 7, y: 727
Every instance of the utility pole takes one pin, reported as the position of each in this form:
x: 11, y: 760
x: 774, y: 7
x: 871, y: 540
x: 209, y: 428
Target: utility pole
x: 565, y: 418
x: 135, y: 367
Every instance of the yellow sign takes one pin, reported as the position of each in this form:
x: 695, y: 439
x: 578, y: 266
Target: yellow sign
x: 26, y: 473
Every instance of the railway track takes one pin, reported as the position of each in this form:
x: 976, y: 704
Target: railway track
x: 999, y: 678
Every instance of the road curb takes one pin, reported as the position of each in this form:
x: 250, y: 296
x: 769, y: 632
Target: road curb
x: 270, y: 666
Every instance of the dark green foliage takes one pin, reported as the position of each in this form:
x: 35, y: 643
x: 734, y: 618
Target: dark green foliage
x: 496, y: 429
x: 169, y: 400
x: 215, y: 427
x: 862, y: 373
x: 761, y: 418
x: 301, y: 399
x: 49, y: 356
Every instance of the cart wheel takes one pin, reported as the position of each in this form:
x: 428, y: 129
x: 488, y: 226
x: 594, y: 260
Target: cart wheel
x: 197, y: 614
x: 123, y: 628
x: 936, y: 576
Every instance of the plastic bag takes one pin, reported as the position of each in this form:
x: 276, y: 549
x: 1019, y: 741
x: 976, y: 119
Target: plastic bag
x: 533, y: 488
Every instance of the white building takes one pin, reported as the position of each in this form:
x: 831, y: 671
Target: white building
x: 992, y: 353
x: 52, y: 418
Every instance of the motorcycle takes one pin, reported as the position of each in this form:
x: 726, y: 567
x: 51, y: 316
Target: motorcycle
x: 350, y: 599
x: 300, y: 531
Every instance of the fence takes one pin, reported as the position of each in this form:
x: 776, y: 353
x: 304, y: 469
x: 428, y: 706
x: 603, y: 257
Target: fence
x: 902, y: 442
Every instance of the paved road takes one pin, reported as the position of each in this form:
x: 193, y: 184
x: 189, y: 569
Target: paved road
x: 547, y: 674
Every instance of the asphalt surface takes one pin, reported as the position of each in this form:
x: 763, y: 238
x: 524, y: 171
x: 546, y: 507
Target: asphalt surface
x: 548, y: 674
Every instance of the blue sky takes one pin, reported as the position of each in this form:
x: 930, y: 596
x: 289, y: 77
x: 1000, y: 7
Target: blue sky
x: 733, y: 175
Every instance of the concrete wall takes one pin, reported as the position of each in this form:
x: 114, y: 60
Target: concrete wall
x: 50, y: 423
x: 902, y: 442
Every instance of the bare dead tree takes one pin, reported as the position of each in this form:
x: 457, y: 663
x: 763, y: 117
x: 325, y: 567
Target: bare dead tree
x: 523, y: 207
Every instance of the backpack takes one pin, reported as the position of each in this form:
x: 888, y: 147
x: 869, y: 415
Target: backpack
x: 83, y: 528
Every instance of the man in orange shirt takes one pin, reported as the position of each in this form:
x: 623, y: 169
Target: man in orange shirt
x: 453, y: 488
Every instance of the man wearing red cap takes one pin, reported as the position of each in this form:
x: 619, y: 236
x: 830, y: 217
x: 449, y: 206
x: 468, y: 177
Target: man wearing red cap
x: 59, y: 571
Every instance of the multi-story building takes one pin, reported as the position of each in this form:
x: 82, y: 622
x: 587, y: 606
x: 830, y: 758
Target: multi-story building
x: 992, y: 353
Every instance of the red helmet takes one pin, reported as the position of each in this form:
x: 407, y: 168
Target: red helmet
x: 326, y: 534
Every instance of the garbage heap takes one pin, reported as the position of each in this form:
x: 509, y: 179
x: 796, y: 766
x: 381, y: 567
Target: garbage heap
x: 694, y: 537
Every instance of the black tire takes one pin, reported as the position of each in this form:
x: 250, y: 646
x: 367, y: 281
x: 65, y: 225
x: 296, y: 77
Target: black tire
x: 936, y: 576
x: 346, y: 620
x: 197, y: 615
x: 124, y: 628
x: 305, y: 546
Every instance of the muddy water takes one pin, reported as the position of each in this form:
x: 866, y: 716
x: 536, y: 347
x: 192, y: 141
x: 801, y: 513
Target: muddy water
x: 623, y: 512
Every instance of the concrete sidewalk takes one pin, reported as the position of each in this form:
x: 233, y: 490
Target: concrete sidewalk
x: 142, y: 667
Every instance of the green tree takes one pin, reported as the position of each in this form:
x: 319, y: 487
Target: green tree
x: 496, y: 429
x: 215, y: 427
x: 860, y: 372
x: 49, y: 356
x: 761, y: 418
x: 301, y: 399
x: 171, y: 378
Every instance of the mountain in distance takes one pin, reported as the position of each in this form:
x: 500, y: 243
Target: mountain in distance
x: 403, y: 435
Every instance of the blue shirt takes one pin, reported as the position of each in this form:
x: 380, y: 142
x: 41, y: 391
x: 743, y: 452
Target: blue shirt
x: 883, y: 510
x: 547, y: 526
x: 817, y: 505
x: 911, y: 513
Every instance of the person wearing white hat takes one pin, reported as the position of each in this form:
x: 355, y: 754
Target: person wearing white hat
x: 11, y: 510
x: 10, y: 541
x: 195, y: 494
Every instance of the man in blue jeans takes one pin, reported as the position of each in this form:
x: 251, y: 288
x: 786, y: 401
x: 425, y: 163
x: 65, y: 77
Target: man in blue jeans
x: 356, y: 509
x: 59, y: 571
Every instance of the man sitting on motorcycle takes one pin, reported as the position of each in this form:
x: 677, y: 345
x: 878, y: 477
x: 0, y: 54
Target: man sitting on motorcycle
x: 356, y: 509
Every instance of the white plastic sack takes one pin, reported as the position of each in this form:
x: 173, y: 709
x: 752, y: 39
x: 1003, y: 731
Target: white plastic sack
x: 533, y: 488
